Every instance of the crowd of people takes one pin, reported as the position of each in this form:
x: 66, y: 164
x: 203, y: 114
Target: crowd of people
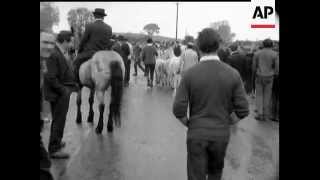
x: 259, y: 70
x: 213, y: 83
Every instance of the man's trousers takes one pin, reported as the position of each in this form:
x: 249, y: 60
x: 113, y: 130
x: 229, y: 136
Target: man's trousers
x: 127, y: 71
x: 205, y: 158
x: 137, y: 63
x: 263, y: 95
x: 59, y: 109
x: 150, y: 71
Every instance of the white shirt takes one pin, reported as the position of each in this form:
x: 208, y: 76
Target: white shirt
x: 64, y: 52
x: 66, y: 55
x: 210, y: 58
x: 131, y: 50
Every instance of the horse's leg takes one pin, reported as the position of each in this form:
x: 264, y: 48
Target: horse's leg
x: 100, y: 97
x: 116, y: 116
x: 79, y: 117
x: 91, y: 113
x: 110, y: 118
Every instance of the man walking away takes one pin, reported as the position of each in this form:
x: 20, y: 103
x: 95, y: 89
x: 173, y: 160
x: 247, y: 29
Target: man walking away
x: 125, y: 57
x: 137, y: 59
x: 238, y: 61
x: 59, y: 83
x: 148, y: 56
x: 116, y: 46
x: 213, y: 90
x: 265, y: 66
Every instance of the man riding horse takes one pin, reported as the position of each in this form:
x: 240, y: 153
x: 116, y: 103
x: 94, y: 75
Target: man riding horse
x: 97, y: 37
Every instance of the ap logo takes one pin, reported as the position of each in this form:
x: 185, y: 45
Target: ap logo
x: 263, y: 13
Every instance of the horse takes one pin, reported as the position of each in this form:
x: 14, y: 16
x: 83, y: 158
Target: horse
x: 174, y: 73
x: 104, y: 69
x: 160, y: 72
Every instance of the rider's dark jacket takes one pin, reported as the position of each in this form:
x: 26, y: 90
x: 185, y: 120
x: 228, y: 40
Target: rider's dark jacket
x: 96, y: 37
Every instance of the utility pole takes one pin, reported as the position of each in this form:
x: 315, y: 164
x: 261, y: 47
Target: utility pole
x: 177, y: 22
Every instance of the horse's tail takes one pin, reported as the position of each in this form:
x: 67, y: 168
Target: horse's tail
x: 116, y: 86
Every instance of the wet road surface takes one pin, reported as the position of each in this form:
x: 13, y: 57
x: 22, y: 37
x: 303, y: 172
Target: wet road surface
x: 151, y: 144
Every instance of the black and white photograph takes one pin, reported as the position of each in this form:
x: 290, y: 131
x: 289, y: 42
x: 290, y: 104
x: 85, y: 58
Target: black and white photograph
x: 159, y: 90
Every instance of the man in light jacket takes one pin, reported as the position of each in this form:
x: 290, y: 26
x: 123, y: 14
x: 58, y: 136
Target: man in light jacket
x: 265, y: 66
x: 188, y: 59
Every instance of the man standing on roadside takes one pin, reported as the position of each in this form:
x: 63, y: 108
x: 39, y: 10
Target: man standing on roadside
x: 59, y: 84
x: 265, y: 66
x: 47, y: 42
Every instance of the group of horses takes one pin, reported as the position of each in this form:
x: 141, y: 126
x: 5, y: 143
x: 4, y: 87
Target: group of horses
x: 167, y: 69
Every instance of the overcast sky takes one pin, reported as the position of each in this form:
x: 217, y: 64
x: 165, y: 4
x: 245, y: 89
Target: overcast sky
x: 193, y: 16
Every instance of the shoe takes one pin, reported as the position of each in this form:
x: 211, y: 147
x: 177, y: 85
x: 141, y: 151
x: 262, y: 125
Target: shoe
x: 46, y: 120
x: 59, y: 155
x: 259, y: 118
x: 62, y: 144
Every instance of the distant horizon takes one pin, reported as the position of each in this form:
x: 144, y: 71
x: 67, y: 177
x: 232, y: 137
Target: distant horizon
x: 183, y: 38
x: 193, y: 17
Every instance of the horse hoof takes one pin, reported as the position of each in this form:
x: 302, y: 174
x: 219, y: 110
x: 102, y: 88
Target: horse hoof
x: 90, y: 117
x: 109, y: 129
x: 99, y: 130
x: 78, y: 122
x: 90, y: 120
x: 79, y: 119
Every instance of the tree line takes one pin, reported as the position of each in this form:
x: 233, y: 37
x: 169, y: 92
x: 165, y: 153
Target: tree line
x: 78, y: 18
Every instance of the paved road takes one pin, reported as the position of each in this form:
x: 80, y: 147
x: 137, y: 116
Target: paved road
x: 151, y: 142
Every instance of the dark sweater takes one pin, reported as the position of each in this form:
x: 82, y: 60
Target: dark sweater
x: 213, y: 90
x: 239, y: 62
x: 149, y: 54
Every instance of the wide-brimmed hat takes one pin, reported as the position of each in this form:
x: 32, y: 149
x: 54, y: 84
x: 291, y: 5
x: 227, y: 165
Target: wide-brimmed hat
x: 114, y: 36
x: 122, y: 38
x: 190, y: 43
x: 99, y: 11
